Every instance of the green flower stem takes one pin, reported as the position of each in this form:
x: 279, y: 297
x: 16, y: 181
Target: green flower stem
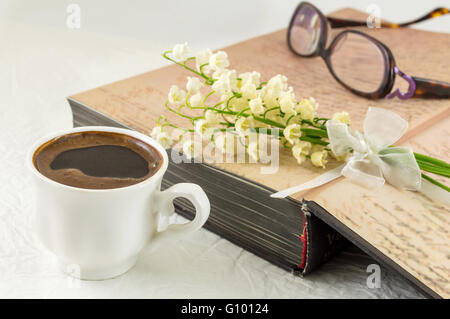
x: 208, y: 95
x: 227, y: 105
x: 314, y: 132
x: 208, y: 80
x: 270, y: 110
x: 289, y: 119
x: 259, y: 119
x: 167, y: 123
x: 226, y: 120
x: 161, y: 117
x: 260, y: 85
x: 177, y: 127
x: 186, y: 101
x: 178, y: 113
x: 431, y: 160
x: 266, y: 121
x: 317, y: 125
x: 322, y: 119
x: 433, y: 169
x: 242, y: 112
x: 201, y: 69
x: 268, y: 131
x: 435, y: 182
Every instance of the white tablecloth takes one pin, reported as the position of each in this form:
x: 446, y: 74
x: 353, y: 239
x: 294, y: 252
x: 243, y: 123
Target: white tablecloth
x: 42, y: 62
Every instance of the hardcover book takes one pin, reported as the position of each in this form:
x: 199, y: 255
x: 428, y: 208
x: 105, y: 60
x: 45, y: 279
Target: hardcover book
x: 405, y: 231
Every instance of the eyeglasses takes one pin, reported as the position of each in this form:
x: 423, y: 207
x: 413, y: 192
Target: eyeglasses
x: 359, y: 62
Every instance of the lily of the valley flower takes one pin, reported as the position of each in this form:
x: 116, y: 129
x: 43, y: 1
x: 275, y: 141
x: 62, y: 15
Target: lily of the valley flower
x: 155, y: 132
x: 292, y: 133
x: 192, y: 148
x: 244, y: 124
x: 269, y: 96
x: 307, y: 109
x: 218, y: 73
x: 163, y: 138
x: 176, y: 96
x: 193, y: 85
x: 342, y: 117
x: 180, y: 51
x: 256, y: 106
x: 253, y: 150
x: 201, y: 58
x: 278, y: 83
x: 239, y: 104
x: 219, y: 60
x: 300, y: 150
x: 200, y: 126
x: 203, y: 129
x: 196, y: 100
x: 249, y: 91
x: 226, y: 83
x: 319, y: 159
x: 250, y: 78
x: 274, y: 90
x: 211, y: 117
x: 287, y: 102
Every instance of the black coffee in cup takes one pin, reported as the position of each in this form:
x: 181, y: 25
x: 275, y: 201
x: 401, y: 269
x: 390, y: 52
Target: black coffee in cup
x: 97, y: 160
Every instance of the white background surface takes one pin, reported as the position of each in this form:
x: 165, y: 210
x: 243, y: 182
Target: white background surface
x: 42, y: 62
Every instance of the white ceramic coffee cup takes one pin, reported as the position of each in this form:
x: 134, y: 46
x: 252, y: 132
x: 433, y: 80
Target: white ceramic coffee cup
x: 102, y: 231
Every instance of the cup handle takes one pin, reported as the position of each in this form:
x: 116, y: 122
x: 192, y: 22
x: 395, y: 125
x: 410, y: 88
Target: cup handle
x: 164, y: 205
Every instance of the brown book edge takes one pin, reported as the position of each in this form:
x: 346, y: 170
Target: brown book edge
x: 317, y: 221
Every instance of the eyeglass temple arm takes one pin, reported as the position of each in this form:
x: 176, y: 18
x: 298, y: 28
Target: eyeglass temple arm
x: 431, y: 89
x: 420, y: 88
x: 342, y: 23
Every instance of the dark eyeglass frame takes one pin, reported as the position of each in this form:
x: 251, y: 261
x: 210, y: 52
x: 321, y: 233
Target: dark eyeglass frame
x: 418, y: 87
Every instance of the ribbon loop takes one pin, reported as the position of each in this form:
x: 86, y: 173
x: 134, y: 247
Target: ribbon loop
x: 364, y: 173
x: 383, y: 128
x: 342, y: 140
x: 400, y: 168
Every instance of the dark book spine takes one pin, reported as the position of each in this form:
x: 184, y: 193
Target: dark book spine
x: 322, y: 242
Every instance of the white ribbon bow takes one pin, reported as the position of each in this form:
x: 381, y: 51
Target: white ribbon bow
x: 372, y: 160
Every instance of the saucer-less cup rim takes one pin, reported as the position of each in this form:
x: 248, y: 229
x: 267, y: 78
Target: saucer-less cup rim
x: 145, y: 138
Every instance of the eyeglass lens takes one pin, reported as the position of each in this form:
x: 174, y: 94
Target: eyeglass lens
x: 305, y: 31
x: 358, y: 62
